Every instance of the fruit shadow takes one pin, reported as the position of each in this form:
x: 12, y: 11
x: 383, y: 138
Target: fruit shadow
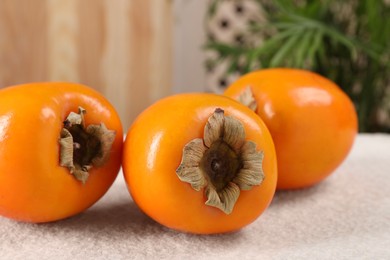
x: 283, y: 197
x: 123, y: 218
x: 123, y: 215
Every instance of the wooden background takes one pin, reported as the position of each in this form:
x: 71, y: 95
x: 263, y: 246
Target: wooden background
x: 122, y: 48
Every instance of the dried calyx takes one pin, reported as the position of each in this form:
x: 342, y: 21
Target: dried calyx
x: 247, y: 99
x: 81, y: 147
x: 223, y: 162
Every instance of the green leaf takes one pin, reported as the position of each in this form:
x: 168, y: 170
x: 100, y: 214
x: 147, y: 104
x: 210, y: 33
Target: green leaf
x: 278, y: 57
x: 315, y: 9
x: 213, y: 6
x: 249, y: 60
x: 274, y: 42
x: 313, y: 49
x: 224, y: 49
x: 302, y: 48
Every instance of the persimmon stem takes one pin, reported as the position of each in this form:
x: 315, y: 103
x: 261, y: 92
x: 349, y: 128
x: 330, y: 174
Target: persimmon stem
x: 82, y: 148
x: 223, y: 162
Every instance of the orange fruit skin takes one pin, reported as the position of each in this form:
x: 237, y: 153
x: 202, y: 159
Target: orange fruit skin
x: 153, y: 151
x: 312, y: 121
x: 33, y: 186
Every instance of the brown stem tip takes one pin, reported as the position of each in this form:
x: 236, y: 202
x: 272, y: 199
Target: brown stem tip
x: 223, y: 162
x: 82, y: 148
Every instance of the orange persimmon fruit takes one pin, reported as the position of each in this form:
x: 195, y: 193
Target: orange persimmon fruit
x: 60, y: 150
x: 312, y: 121
x: 200, y: 163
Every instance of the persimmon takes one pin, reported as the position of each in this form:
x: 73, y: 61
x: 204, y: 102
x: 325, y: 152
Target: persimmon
x: 312, y: 121
x: 200, y: 163
x: 60, y: 150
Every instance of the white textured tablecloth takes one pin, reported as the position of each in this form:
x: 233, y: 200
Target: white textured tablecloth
x: 345, y: 217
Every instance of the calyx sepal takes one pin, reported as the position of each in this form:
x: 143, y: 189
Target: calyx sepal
x: 81, y: 147
x: 222, y: 163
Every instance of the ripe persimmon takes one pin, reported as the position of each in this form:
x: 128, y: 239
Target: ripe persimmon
x: 200, y: 163
x: 60, y: 150
x: 312, y: 121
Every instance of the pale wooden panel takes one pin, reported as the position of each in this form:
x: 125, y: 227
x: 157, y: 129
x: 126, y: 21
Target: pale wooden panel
x: 122, y: 48
x: 141, y: 52
x: 161, y: 45
x: 92, y: 19
x: 115, y: 66
x: 62, y: 52
x: 22, y: 41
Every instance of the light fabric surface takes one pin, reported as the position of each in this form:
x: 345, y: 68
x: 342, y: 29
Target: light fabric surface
x: 345, y: 217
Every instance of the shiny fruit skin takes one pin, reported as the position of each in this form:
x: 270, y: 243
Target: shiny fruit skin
x: 153, y: 151
x: 312, y: 121
x: 33, y: 186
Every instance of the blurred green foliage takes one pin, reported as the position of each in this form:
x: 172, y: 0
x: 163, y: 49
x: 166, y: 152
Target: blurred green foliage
x: 346, y: 41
